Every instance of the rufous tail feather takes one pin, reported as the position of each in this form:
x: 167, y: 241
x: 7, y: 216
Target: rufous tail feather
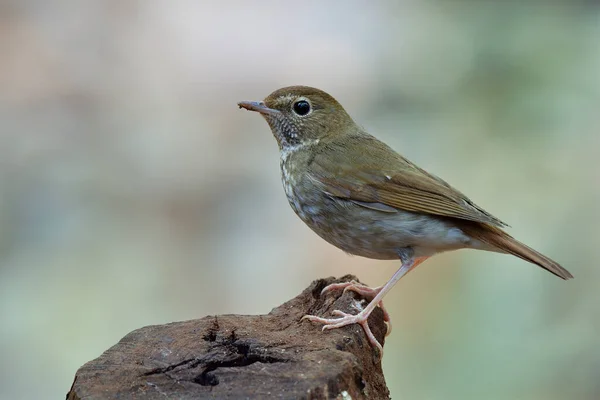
x: 506, y: 243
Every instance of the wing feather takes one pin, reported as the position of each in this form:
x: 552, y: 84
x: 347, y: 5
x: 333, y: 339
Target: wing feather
x: 388, y: 183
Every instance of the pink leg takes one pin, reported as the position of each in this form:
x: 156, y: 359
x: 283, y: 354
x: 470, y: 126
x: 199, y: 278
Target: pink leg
x: 367, y: 292
x: 362, y: 317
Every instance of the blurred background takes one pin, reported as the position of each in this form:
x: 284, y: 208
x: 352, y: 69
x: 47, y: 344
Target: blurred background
x: 134, y: 192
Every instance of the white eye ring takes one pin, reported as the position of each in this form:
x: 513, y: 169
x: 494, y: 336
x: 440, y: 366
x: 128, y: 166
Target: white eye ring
x: 301, y: 107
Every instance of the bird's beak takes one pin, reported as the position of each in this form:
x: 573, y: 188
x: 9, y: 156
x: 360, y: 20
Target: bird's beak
x: 258, y: 106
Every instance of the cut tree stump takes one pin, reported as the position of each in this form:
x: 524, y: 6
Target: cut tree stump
x: 245, y: 356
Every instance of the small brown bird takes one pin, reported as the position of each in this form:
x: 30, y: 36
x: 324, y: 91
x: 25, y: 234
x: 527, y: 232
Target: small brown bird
x: 361, y: 196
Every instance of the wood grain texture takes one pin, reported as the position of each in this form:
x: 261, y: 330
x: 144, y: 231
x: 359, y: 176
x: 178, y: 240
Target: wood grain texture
x: 244, y: 357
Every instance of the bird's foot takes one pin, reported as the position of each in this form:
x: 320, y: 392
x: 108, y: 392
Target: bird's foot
x: 341, y: 285
x: 367, y: 292
x: 348, y: 319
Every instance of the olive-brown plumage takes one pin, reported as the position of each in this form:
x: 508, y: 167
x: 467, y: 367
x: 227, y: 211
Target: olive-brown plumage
x: 361, y: 196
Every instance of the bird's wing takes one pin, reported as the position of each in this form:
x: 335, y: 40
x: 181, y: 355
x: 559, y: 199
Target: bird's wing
x: 388, y: 183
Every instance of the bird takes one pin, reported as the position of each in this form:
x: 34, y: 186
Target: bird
x: 361, y: 196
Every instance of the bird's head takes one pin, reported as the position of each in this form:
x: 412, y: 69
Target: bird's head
x: 300, y: 114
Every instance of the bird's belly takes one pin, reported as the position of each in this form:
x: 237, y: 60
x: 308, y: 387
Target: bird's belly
x: 375, y: 234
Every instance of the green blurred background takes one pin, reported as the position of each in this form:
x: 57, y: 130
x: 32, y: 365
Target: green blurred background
x: 134, y: 192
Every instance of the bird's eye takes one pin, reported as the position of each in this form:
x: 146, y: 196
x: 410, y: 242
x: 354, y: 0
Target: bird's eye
x: 301, y: 107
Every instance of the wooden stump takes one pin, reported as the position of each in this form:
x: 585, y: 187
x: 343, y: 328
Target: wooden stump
x: 245, y: 356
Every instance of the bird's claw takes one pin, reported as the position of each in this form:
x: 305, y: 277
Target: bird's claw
x: 368, y: 292
x: 334, y: 286
x: 347, y: 319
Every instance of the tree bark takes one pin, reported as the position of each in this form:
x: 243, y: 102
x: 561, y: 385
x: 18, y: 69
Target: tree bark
x: 245, y: 356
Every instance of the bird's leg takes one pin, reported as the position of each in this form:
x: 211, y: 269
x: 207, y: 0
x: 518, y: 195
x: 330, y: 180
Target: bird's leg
x: 408, y: 263
x: 365, y: 291
x: 369, y: 293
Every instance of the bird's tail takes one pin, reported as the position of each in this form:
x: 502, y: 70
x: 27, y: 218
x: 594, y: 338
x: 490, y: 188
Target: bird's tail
x: 505, y: 243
